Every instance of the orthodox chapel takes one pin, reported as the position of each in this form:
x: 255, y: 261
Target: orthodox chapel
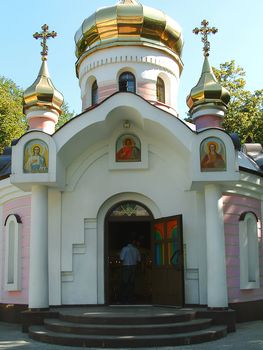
x: 127, y: 168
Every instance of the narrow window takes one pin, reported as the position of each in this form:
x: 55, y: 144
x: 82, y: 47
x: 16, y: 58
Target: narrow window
x: 12, y: 253
x: 252, y: 247
x: 249, y: 254
x: 94, y: 93
x: 160, y: 90
x: 127, y: 82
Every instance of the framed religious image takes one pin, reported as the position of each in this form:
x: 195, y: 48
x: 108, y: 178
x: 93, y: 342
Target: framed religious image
x: 35, y: 157
x: 128, y: 148
x: 212, y: 155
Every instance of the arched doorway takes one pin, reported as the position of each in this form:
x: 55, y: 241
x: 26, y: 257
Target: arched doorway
x: 128, y: 221
x: 160, y: 276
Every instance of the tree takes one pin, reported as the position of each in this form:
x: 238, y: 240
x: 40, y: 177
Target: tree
x: 65, y: 116
x: 13, y: 123
x: 245, y: 109
x: 12, y: 119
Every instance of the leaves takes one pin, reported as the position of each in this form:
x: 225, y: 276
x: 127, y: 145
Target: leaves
x: 65, y: 116
x: 13, y: 123
x: 12, y: 119
x: 245, y: 109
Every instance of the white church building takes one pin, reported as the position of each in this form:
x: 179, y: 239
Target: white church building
x: 127, y: 167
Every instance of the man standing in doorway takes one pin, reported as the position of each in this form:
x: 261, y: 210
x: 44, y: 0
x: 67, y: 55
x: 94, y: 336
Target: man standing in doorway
x: 129, y: 256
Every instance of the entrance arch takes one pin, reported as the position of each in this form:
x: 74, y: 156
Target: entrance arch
x: 125, y: 222
x: 166, y: 247
x: 102, y: 213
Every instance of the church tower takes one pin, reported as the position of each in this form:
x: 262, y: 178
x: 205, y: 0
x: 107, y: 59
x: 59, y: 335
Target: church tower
x: 129, y: 47
x: 42, y: 101
x: 208, y: 99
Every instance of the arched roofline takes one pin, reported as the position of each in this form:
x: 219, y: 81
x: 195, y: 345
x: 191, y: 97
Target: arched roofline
x: 91, y: 108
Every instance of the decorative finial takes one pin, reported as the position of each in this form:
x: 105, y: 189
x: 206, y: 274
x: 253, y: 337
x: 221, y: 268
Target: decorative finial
x: 205, y: 30
x: 44, y: 36
x: 128, y: 2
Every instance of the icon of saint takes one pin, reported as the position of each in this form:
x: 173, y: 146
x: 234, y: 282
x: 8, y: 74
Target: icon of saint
x: 212, y: 160
x: 129, y: 151
x: 36, y: 162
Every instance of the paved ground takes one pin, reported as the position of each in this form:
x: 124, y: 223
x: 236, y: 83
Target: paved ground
x: 249, y: 336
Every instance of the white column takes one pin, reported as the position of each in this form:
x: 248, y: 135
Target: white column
x: 38, y: 268
x: 215, y: 240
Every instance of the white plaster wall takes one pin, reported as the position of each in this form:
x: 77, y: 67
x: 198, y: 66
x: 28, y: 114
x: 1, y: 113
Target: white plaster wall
x: 195, y: 250
x: 54, y: 246
x: 83, y: 271
x: 145, y: 63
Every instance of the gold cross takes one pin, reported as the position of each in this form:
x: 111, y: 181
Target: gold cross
x: 44, y: 36
x: 205, y: 30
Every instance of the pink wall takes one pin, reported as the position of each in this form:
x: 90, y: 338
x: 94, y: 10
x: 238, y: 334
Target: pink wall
x: 106, y: 91
x: 22, y: 207
x: 234, y: 206
x: 208, y: 121
x: 147, y: 90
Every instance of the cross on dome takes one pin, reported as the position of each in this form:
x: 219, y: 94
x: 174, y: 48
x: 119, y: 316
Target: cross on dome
x: 44, y: 35
x: 129, y: 2
x: 204, y: 31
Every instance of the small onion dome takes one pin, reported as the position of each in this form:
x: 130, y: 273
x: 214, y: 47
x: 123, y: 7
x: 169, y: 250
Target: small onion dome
x: 42, y: 93
x: 207, y: 91
x: 129, y: 23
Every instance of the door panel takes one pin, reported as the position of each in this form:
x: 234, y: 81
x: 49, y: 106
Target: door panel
x: 167, y: 270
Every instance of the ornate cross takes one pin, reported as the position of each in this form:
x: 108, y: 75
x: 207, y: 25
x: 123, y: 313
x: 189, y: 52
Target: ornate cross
x: 205, y: 30
x: 44, y: 35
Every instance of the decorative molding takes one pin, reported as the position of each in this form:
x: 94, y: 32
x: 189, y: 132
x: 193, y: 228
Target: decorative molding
x: 18, y: 218
x: 155, y: 61
x: 67, y: 276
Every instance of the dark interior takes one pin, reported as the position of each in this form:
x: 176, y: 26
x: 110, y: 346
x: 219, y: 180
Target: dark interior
x: 119, y: 234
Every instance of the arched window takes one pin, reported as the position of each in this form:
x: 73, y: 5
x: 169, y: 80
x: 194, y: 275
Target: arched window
x: 129, y: 208
x: 160, y: 90
x: 94, y: 93
x: 127, y: 82
x: 12, y: 253
x: 249, y: 254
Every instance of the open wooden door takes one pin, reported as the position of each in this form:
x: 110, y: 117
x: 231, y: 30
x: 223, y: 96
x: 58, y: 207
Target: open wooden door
x: 167, y: 269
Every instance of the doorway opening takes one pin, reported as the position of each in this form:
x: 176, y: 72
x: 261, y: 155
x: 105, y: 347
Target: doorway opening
x: 159, y: 278
x: 123, y: 226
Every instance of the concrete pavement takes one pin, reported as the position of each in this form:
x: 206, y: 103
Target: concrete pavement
x: 249, y: 336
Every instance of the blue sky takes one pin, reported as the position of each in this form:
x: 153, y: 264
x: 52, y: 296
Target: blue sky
x: 239, y: 38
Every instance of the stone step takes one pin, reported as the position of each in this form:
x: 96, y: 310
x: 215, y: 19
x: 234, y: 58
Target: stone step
x: 126, y: 329
x: 131, y: 318
x: 40, y: 333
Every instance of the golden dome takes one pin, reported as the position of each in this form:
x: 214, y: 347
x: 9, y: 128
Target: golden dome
x: 42, y: 93
x: 129, y: 23
x: 208, y: 91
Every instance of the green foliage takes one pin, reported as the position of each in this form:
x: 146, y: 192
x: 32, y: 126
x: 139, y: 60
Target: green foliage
x: 245, y: 109
x: 12, y: 119
x: 65, y: 116
x: 13, y: 123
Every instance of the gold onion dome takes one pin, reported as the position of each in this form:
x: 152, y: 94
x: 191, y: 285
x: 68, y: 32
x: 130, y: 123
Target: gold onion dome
x: 42, y: 93
x: 208, y: 91
x: 129, y: 23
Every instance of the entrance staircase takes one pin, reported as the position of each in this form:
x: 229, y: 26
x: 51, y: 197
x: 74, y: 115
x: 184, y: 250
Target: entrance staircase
x: 126, y: 327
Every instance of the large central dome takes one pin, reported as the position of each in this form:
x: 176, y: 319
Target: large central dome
x: 129, y: 23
